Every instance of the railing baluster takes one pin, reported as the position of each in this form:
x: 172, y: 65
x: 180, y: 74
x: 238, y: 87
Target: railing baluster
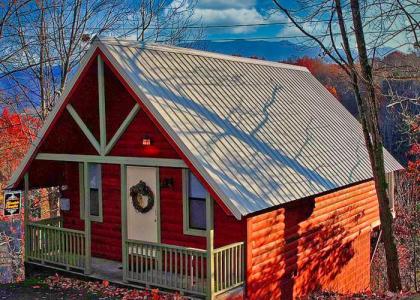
x: 196, y: 271
x: 170, y: 267
x: 185, y: 276
x: 137, y: 262
x: 132, y: 261
x: 141, y: 262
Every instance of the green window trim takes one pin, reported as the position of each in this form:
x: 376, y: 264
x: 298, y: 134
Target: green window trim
x: 93, y: 218
x: 185, y: 203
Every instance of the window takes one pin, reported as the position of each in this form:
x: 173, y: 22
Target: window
x: 95, y: 192
x: 94, y: 183
x: 195, y: 197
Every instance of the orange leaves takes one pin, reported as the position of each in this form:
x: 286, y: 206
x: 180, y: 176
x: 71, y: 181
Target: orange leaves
x: 17, y: 131
x: 332, y: 90
x: 327, y: 73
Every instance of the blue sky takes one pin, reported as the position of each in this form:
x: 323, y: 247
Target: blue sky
x: 229, y: 12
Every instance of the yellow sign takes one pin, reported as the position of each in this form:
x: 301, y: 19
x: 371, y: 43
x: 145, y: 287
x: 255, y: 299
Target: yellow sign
x: 12, y: 202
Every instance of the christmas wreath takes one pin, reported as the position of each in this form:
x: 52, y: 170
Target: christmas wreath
x: 142, y: 197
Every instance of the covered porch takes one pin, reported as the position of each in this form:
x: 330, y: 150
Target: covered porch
x: 204, y: 272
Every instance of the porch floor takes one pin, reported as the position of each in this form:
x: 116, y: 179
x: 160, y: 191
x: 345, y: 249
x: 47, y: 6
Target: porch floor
x: 107, y: 269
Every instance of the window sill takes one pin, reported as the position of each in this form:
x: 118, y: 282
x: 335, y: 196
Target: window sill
x: 195, y: 232
x: 94, y: 219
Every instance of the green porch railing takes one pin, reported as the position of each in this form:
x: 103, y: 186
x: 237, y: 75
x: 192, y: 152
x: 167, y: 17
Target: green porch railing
x: 228, y: 267
x: 168, y: 266
x: 55, y: 221
x: 55, y: 245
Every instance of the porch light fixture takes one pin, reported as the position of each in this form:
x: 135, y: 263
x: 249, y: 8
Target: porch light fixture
x: 147, y: 141
x: 167, y: 183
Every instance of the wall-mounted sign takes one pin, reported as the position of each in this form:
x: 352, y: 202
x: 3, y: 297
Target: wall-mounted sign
x: 12, y: 202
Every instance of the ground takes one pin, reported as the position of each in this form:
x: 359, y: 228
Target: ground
x: 46, y: 284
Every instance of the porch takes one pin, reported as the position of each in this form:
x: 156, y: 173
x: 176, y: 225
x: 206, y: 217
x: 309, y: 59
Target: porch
x: 149, y: 264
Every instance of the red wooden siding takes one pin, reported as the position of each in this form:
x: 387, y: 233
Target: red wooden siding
x: 86, y: 100
x: 130, y: 143
x: 227, y: 228
x: 71, y: 218
x: 171, y: 213
x: 106, y: 235
x: 118, y: 103
x: 67, y: 137
x: 46, y: 174
x: 311, y: 244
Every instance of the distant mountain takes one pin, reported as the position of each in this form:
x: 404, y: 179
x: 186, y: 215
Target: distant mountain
x: 268, y: 50
x: 275, y: 51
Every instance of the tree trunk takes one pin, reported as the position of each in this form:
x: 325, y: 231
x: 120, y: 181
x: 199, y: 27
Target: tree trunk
x: 370, y: 111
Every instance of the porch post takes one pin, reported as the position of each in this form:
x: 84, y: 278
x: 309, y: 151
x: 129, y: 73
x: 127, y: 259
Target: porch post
x: 210, y: 247
x: 26, y: 214
x: 124, y: 219
x: 87, y: 218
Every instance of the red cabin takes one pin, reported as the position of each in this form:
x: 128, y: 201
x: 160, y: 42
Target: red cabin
x: 212, y: 175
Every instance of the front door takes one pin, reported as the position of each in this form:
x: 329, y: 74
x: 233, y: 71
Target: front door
x: 142, y: 226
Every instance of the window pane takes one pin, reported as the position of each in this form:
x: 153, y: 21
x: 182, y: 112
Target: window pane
x: 197, y: 213
x: 94, y: 202
x: 94, y: 175
x: 196, y: 190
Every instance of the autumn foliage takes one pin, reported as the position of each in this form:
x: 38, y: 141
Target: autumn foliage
x: 330, y: 75
x: 17, y: 131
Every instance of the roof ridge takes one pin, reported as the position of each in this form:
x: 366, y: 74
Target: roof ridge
x: 170, y: 48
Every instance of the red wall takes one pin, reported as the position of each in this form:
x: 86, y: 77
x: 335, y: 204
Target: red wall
x: 310, y: 244
x: 227, y: 228
x: 106, y: 236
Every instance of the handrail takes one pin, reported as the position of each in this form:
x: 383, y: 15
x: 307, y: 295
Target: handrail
x: 227, y: 247
x: 56, y: 228
x: 167, y: 246
x: 54, y: 221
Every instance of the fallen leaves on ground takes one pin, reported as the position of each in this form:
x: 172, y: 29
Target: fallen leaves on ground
x: 107, y: 290
x: 365, y: 296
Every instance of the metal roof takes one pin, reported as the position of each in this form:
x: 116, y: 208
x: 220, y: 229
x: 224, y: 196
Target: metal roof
x: 260, y: 133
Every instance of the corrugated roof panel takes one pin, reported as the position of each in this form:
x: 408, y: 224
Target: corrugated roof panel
x: 261, y: 133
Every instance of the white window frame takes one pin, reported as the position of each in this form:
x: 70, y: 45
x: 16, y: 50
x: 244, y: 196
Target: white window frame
x: 186, y: 207
x: 93, y: 218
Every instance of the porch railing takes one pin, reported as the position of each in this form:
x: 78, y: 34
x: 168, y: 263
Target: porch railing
x: 54, y: 221
x: 55, y: 245
x: 167, y: 266
x: 228, y: 267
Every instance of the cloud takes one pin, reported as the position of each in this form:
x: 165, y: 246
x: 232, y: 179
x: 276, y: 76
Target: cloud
x: 232, y: 16
x: 223, y: 4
